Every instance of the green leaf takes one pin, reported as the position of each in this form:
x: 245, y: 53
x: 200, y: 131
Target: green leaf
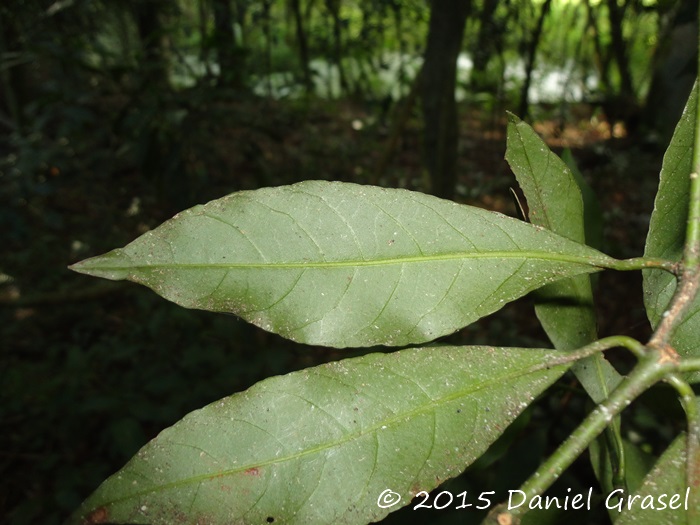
x: 668, y: 477
x: 666, y: 235
x: 554, y: 200
x: 637, y: 465
x: 592, y: 213
x: 565, y: 308
x: 339, y: 264
x: 321, y: 445
x: 553, y: 196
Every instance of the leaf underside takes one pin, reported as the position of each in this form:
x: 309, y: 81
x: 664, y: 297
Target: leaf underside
x: 340, y: 264
x: 319, y: 446
x: 667, y: 478
x: 555, y: 201
x: 666, y: 235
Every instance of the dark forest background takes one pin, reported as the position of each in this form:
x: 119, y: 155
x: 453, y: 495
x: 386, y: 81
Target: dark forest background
x: 114, y: 115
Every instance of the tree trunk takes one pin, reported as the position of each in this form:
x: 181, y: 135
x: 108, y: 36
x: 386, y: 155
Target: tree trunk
x: 12, y: 78
x: 675, y: 70
x: 203, y: 15
x: 399, y: 120
x: 241, y: 10
x: 531, y: 54
x: 303, y: 45
x: 441, y: 129
x: 398, y: 25
x: 333, y: 7
x: 619, y: 50
x: 150, y: 30
x: 224, y: 40
x: 485, y: 43
x: 267, y: 30
x: 602, y: 59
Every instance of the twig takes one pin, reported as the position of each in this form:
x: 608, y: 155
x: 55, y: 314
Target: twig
x: 649, y: 371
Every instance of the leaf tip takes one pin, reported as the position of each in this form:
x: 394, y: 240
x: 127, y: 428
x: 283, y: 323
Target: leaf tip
x: 512, y: 117
x: 108, y: 266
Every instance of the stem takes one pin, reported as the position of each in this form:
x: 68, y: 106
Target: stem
x: 687, y: 399
x: 691, y: 259
x: 658, y: 361
x: 692, y: 445
x: 645, y: 375
x: 689, y: 365
x: 651, y: 369
x: 644, y: 263
x: 691, y: 255
x: 693, y: 231
x: 693, y: 466
x: 613, y: 341
x: 690, y: 277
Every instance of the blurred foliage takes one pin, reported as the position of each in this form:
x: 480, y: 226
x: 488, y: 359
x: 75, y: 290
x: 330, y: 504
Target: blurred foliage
x: 113, y: 117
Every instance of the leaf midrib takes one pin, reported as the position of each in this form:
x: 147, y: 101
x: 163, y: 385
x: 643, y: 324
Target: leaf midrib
x: 596, y: 262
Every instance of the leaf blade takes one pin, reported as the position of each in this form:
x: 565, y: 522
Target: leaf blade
x: 667, y: 478
x: 552, y: 192
x: 320, y: 445
x: 554, y: 196
x: 666, y: 234
x: 339, y: 264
